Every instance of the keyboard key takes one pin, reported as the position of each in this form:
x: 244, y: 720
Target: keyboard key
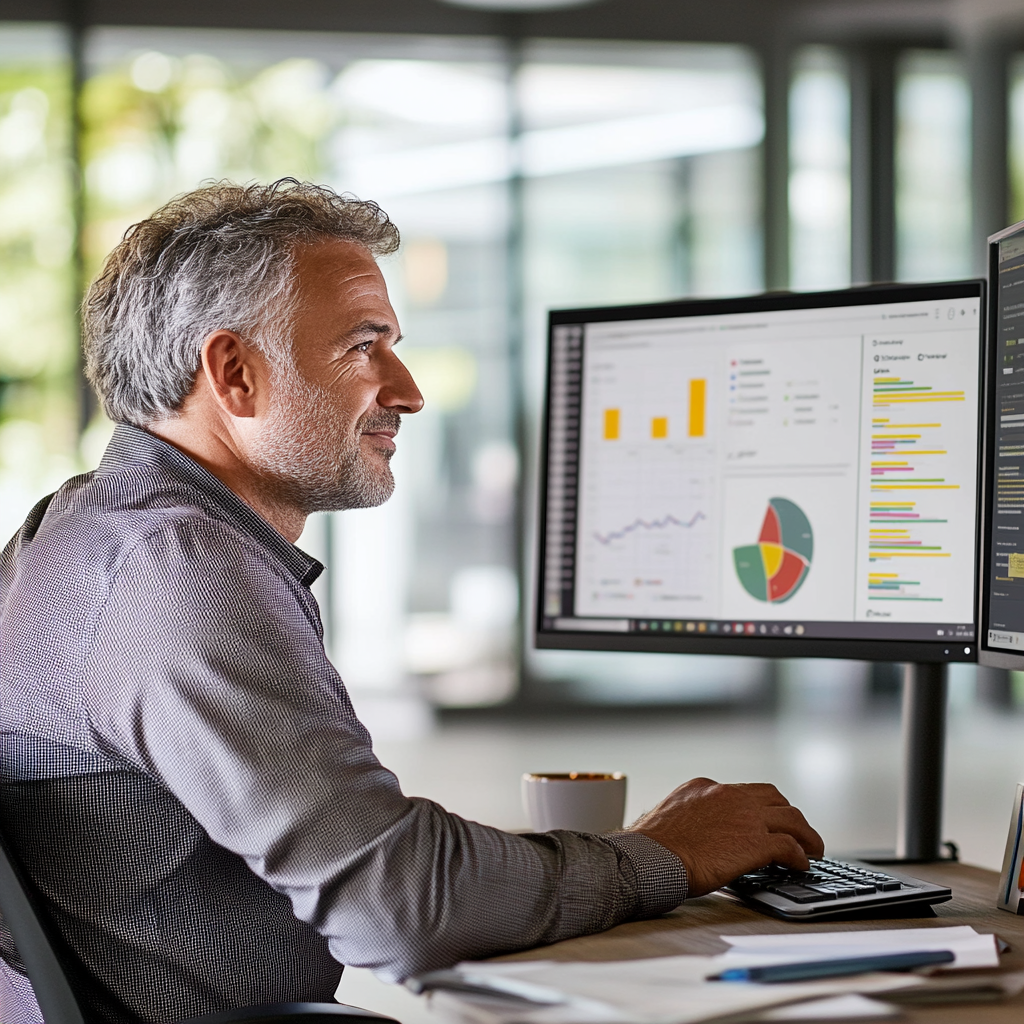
x: 863, y: 889
x: 889, y: 886
x: 827, y: 891
x: 800, y: 894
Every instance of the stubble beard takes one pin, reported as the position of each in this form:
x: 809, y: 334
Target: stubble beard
x: 313, y: 461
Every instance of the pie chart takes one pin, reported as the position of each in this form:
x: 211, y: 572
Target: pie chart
x: 774, y: 568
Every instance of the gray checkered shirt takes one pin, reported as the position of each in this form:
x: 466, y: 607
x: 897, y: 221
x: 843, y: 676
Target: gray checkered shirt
x: 183, y: 775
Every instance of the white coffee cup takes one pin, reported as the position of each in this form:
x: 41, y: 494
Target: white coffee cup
x: 578, y: 801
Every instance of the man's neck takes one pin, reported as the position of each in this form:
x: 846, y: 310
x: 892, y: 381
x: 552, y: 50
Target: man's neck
x: 216, y: 454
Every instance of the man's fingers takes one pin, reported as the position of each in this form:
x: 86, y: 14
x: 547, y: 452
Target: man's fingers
x: 790, y: 820
x: 785, y: 850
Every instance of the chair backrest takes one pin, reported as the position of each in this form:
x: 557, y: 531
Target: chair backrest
x: 38, y: 943
x: 32, y: 937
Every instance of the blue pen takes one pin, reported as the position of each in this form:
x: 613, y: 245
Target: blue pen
x: 836, y: 968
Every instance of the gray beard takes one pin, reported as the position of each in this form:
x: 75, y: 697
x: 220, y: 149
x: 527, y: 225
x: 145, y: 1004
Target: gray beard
x: 319, y: 467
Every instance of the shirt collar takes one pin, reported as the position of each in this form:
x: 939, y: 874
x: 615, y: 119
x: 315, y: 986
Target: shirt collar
x: 133, y: 446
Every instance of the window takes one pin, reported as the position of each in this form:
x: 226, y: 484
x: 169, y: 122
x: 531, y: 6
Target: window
x: 933, y: 167
x: 38, y: 335
x: 819, y: 177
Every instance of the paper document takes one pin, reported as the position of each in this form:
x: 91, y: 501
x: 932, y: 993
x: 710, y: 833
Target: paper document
x: 665, y: 990
x: 969, y: 947
x: 848, y: 1007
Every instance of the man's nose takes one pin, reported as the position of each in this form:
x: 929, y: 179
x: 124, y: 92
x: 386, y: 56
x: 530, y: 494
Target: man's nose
x: 398, y: 390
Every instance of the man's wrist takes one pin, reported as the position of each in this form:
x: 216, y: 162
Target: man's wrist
x: 660, y: 876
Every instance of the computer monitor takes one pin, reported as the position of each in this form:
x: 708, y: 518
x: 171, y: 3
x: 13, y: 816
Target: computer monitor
x: 781, y: 475
x: 1001, y: 640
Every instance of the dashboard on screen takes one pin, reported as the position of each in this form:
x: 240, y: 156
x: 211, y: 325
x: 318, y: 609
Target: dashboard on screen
x: 787, y: 475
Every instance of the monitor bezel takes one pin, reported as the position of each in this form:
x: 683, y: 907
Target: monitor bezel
x: 993, y: 657
x: 757, y: 646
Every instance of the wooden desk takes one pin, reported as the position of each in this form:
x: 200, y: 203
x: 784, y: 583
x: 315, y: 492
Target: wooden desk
x: 696, y: 926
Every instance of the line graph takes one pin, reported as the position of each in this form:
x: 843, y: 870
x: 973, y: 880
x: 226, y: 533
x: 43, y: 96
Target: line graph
x: 648, y: 524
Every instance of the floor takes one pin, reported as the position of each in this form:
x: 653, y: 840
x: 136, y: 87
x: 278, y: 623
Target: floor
x: 837, y: 758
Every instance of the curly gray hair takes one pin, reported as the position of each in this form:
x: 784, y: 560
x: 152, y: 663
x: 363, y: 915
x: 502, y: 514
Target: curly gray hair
x: 220, y: 257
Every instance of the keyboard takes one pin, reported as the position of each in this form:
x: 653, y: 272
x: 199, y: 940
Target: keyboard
x: 831, y: 888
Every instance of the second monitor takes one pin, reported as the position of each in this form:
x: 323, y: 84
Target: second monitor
x: 779, y: 475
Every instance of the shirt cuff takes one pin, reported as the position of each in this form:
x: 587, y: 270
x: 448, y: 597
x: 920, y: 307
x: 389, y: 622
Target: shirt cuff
x: 661, y: 883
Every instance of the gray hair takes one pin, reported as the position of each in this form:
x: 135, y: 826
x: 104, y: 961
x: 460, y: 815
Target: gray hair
x: 219, y: 258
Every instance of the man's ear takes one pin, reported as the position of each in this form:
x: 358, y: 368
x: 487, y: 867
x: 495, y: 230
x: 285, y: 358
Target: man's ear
x: 234, y: 372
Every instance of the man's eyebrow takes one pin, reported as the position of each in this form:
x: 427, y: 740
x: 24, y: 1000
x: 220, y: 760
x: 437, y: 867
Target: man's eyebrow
x: 374, y: 327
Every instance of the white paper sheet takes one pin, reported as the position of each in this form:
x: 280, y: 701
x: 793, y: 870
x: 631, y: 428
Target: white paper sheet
x: 969, y: 947
x: 848, y: 1007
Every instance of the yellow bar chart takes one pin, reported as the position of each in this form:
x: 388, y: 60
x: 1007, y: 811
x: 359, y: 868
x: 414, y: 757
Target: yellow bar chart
x: 695, y: 418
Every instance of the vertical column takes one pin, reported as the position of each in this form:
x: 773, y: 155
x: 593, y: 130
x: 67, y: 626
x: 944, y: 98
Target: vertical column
x: 988, y: 59
x: 75, y: 17
x: 873, y: 162
x: 775, y: 60
x: 509, y: 27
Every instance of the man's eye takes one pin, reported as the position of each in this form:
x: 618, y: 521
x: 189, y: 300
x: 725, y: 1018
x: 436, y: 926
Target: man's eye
x: 363, y: 346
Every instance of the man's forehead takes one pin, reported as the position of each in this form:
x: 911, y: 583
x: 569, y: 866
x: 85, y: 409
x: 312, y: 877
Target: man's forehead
x: 341, y: 272
x: 335, y: 256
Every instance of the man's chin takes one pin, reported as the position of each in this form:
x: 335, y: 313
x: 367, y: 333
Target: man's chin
x: 365, y: 493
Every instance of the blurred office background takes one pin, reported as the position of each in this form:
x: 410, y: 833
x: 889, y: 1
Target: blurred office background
x: 534, y: 154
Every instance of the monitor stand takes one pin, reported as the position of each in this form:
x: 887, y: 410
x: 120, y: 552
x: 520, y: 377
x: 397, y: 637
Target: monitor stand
x: 919, y: 823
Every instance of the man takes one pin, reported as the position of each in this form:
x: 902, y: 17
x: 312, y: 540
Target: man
x: 183, y: 774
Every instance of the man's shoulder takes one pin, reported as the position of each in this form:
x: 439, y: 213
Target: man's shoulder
x: 95, y: 524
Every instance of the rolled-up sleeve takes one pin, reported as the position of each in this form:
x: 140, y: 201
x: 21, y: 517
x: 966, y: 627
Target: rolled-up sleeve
x: 227, y: 698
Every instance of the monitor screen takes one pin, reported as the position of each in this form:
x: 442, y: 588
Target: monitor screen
x: 1002, y: 615
x: 782, y: 475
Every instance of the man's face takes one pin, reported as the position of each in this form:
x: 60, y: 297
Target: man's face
x: 326, y: 434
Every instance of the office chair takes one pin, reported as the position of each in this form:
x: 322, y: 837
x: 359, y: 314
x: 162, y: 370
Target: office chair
x: 38, y: 943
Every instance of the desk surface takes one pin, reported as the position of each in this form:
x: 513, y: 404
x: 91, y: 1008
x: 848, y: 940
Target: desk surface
x: 696, y: 926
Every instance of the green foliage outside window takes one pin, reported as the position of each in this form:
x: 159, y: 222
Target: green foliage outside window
x: 156, y: 125
x: 38, y: 334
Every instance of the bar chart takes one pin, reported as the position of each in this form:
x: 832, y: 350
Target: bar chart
x: 661, y: 426
x: 919, y: 481
x: 648, y: 506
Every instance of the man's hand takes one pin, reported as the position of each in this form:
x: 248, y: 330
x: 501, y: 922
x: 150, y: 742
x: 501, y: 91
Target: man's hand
x: 721, y: 831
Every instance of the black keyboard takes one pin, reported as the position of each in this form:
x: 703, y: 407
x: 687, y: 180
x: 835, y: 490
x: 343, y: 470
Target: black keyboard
x: 831, y: 888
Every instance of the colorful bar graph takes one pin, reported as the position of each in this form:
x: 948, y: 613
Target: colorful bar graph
x: 698, y: 402
x: 611, y: 424
x: 659, y: 427
x: 895, y: 390
x: 890, y: 440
